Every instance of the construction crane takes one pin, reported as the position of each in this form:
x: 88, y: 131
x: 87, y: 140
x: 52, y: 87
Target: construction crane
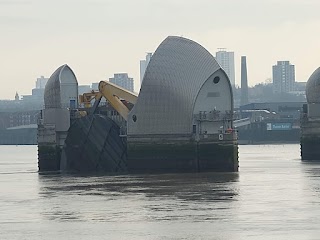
x: 115, y: 95
x: 96, y: 142
x: 86, y: 98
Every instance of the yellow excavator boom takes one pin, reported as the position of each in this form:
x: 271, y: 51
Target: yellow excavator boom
x: 114, y: 94
x: 86, y: 98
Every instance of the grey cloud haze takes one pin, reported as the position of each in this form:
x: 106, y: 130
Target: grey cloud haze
x: 98, y: 38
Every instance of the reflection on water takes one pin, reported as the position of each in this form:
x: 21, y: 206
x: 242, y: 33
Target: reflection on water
x: 274, y: 196
x: 163, y: 197
x: 312, y: 176
x: 189, y: 187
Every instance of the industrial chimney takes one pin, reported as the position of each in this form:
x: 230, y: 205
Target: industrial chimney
x: 244, y: 81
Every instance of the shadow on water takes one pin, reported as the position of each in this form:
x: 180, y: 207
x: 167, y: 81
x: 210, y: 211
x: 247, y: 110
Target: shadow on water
x: 311, y: 168
x: 162, y: 197
x: 312, y: 174
x: 187, y: 186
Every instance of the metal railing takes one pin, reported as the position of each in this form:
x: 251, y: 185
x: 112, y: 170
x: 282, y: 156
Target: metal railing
x: 213, y: 116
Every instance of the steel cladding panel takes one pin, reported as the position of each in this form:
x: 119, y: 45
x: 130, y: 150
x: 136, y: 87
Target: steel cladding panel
x: 69, y: 87
x: 313, y: 87
x: 173, y: 78
x: 214, y: 95
x: 52, y: 91
x: 61, y: 87
x: 314, y: 110
x: 59, y: 117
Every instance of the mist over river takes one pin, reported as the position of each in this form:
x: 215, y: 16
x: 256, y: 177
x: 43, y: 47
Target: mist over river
x: 273, y: 196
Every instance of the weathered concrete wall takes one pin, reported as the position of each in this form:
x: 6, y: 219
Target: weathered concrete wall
x: 49, y: 158
x: 49, y: 151
x: 155, y: 154
x: 310, y: 148
x: 314, y: 110
x: 218, y: 157
x: 310, y: 140
x: 58, y: 117
x: 161, y: 157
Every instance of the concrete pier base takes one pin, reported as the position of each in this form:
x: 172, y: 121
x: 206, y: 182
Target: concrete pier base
x: 310, y: 139
x: 50, y: 144
x: 310, y: 148
x: 49, y: 158
x: 222, y: 157
x: 181, y: 154
x: 310, y: 120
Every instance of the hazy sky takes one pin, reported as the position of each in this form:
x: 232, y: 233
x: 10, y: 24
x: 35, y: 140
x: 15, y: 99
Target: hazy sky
x: 97, y: 38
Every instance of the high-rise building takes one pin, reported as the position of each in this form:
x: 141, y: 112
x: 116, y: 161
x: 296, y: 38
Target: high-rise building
x: 123, y: 80
x: 226, y: 61
x: 283, y: 77
x: 143, y: 66
x: 36, y: 99
x: 244, y: 81
x: 95, y: 86
x: 41, y: 82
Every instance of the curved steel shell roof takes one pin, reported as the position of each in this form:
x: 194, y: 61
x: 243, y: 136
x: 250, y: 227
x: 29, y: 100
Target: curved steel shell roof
x: 313, y: 87
x: 60, y: 88
x: 171, y: 83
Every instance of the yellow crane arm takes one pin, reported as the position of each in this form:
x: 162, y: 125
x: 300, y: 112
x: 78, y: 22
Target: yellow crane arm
x: 114, y: 93
x: 86, y: 98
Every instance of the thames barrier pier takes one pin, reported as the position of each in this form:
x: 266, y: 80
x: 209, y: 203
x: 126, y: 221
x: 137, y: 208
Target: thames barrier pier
x: 310, y: 120
x: 183, y: 116
x: 181, y: 121
x: 60, y: 99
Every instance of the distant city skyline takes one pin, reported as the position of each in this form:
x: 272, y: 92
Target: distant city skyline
x: 41, y: 82
x: 123, y: 80
x: 38, y: 36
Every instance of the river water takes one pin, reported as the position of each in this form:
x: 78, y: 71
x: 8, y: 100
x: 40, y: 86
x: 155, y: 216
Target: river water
x: 274, y: 196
